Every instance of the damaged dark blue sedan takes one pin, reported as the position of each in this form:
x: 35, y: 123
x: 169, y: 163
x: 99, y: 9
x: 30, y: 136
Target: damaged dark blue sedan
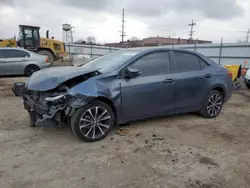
x: 125, y: 86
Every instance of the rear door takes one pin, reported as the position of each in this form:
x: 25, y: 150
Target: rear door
x: 192, y: 81
x: 16, y: 61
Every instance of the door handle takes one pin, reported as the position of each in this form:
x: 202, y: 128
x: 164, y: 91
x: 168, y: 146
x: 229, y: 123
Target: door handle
x: 169, y: 81
x: 208, y: 75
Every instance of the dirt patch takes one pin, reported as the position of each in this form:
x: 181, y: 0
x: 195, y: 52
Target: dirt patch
x: 184, y: 151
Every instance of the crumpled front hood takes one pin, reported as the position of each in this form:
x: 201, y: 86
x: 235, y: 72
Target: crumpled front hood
x: 51, y: 78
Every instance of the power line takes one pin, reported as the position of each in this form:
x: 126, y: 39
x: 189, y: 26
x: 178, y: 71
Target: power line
x: 123, y: 27
x: 247, y: 37
x: 191, y: 33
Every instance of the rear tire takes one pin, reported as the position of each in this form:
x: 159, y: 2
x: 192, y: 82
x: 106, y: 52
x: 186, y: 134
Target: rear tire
x: 212, y: 105
x: 30, y: 69
x: 48, y: 54
x: 89, y: 124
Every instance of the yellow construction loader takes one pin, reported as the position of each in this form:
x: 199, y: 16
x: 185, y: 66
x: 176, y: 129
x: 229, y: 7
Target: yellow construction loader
x: 29, y: 38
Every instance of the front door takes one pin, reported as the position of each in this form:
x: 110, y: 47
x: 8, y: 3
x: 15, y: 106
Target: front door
x: 150, y: 93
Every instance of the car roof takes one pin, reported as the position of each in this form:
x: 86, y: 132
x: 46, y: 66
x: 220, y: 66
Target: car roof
x: 146, y: 49
x: 14, y: 48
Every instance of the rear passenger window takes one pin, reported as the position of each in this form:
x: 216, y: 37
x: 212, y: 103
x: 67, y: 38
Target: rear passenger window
x: 154, y: 64
x: 186, y: 62
x: 203, y: 64
x: 16, y: 53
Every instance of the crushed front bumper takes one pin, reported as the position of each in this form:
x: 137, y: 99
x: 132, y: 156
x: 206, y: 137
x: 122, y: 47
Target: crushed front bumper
x: 48, y: 108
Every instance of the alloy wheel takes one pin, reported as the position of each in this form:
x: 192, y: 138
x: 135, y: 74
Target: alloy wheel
x: 95, y: 122
x: 214, y: 104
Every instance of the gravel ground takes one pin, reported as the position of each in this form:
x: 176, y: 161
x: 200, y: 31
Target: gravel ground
x: 184, y: 151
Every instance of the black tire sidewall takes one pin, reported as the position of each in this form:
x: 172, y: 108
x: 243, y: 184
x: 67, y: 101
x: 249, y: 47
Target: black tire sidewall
x: 29, y: 67
x: 77, y: 115
x: 204, y: 111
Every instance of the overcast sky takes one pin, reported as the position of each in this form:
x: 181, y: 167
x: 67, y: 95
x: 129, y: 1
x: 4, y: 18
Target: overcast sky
x: 144, y: 18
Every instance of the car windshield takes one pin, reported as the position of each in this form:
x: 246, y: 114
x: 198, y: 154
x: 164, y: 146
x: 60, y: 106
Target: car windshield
x: 112, y: 60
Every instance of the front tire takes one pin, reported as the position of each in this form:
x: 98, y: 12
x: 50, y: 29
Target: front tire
x: 213, y: 105
x: 93, y: 122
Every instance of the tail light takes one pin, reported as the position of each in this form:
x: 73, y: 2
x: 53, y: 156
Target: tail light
x: 47, y: 60
x: 230, y: 74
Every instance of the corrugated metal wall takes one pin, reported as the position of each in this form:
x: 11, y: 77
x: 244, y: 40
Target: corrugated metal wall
x: 225, y: 54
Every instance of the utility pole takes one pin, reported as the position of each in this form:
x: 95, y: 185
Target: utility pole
x: 247, y: 37
x: 123, y: 32
x: 191, y: 32
x: 71, y: 34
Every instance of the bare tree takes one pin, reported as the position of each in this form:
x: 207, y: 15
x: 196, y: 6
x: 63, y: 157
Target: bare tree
x: 134, y: 38
x: 80, y: 41
x: 91, y: 40
x: 134, y: 42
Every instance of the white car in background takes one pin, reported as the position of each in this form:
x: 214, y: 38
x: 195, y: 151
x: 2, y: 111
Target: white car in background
x: 18, y: 61
x: 247, y: 79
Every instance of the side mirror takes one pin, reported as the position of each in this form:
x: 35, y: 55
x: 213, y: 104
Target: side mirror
x: 132, y: 72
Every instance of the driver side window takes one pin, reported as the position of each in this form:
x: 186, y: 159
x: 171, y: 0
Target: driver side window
x: 156, y: 63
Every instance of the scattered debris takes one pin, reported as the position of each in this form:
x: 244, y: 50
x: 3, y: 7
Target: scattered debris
x: 112, y: 138
x: 158, y: 138
x: 122, y: 162
x: 208, y: 161
x: 123, y: 132
x: 138, y: 134
x: 146, y: 141
x: 199, y: 184
x: 130, y: 141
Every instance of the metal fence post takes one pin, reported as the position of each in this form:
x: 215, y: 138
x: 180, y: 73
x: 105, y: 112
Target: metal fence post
x: 195, y: 45
x: 221, y: 43
x: 91, y: 50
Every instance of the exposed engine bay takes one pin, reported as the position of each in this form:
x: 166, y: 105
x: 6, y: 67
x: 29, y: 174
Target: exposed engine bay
x: 46, y: 108
x: 55, y: 106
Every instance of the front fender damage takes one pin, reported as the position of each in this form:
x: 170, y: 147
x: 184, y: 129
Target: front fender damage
x: 56, y: 107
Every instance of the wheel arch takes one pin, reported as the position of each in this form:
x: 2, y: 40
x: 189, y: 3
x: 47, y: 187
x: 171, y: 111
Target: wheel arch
x: 220, y: 88
x: 107, y: 101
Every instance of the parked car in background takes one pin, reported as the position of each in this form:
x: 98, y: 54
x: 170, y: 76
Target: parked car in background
x: 125, y: 86
x: 247, y: 79
x: 18, y: 61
